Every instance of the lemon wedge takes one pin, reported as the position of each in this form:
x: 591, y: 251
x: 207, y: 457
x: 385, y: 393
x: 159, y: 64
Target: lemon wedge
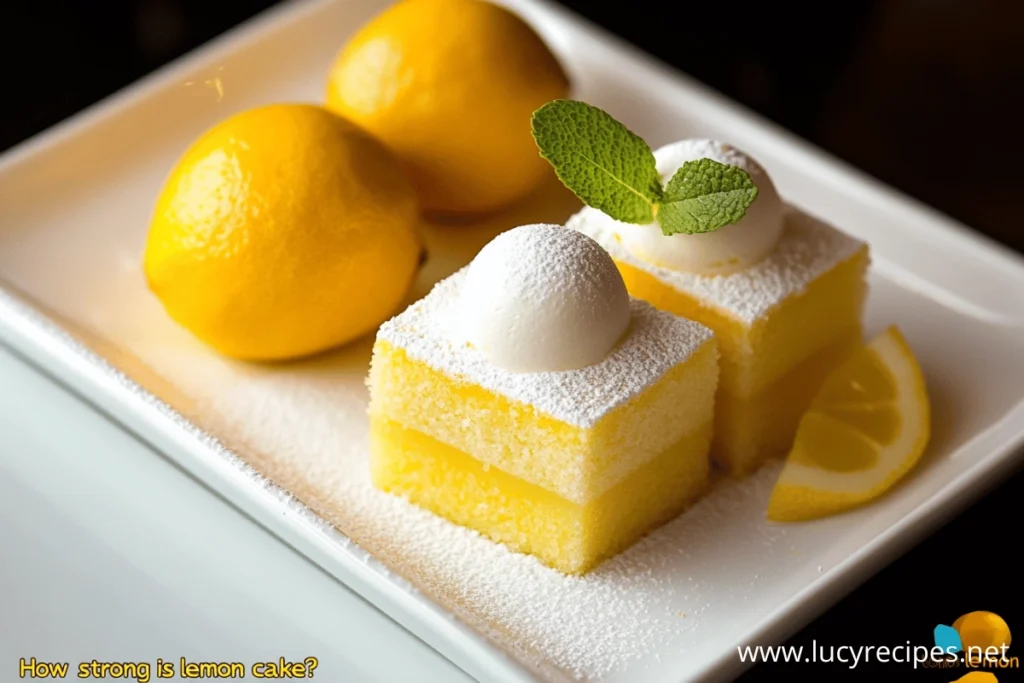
x: 865, y: 429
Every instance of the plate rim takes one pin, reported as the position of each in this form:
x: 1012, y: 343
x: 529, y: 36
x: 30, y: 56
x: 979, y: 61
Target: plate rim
x: 57, y: 353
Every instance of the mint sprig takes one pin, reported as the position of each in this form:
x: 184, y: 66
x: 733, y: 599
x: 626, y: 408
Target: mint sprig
x: 607, y: 165
x: 612, y: 169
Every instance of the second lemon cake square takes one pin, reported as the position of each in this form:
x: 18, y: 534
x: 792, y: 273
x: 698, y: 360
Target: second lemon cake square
x: 781, y: 324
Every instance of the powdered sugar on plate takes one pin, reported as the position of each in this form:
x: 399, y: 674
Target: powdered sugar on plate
x: 807, y: 249
x: 303, y: 427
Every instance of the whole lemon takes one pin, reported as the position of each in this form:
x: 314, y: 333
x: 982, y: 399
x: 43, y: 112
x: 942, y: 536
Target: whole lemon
x: 283, y: 231
x: 450, y: 85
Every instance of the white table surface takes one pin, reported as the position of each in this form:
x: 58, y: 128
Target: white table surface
x: 109, y: 552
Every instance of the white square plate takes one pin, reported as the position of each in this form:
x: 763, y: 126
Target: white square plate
x: 287, y: 443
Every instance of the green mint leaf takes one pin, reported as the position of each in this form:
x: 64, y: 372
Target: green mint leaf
x: 705, y: 195
x: 599, y: 159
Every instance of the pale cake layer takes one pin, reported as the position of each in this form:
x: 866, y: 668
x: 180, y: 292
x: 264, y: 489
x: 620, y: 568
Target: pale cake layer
x: 768, y: 318
x: 567, y: 536
x: 576, y: 463
x: 753, y: 429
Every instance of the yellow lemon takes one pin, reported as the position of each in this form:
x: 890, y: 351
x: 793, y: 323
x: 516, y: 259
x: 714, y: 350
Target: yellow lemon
x: 865, y: 429
x: 450, y: 86
x: 283, y: 231
x: 982, y: 630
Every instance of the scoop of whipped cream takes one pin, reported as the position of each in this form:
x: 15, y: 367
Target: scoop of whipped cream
x: 728, y: 249
x: 543, y: 298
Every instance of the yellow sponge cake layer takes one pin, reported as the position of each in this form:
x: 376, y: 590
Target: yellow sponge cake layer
x: 570, y: 537
x: 771, y: 321
x: 578, y: 463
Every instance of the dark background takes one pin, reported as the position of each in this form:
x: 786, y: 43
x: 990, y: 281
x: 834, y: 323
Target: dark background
x: 927, y: 95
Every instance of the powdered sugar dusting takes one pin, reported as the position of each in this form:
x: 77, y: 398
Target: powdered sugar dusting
x: 807, y: 249
x: 655, y: 342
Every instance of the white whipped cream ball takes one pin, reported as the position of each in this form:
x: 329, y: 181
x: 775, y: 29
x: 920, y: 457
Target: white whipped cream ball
x: 731, y: 247
x: 543, y: 298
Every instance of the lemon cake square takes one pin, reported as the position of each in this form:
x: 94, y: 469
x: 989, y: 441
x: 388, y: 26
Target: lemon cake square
x: 570, y: 466
x: 781, y: 325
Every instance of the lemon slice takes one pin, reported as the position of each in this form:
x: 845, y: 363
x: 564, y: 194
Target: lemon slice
x: 865, y: 429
